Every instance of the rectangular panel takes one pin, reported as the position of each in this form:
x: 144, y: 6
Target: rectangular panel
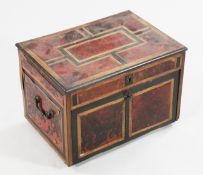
x: 100, y: 127
x: 156, y: 69
x: 151, y: 107
x: 101, y: 45
x: 99, y: 90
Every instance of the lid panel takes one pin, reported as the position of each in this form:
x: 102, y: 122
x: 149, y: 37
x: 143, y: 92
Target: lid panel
x: 94, y: 50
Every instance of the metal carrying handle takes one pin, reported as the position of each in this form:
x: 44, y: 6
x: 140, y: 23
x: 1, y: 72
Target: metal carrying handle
x: 47, y: 115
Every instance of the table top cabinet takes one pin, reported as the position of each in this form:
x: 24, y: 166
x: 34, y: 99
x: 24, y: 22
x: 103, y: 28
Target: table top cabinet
x: 95, y: 86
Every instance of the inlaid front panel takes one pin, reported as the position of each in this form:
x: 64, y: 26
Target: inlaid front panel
x: 151, y: 107
x: 100, y: 127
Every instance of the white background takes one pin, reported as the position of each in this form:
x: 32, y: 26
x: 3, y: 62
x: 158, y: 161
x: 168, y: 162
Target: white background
x: 175, y: 149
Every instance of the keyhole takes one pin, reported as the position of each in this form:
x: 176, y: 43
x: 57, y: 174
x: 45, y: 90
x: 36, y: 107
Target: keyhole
x: 128, y: 80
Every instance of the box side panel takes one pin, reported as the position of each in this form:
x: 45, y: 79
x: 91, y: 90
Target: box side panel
x: 43, y: 106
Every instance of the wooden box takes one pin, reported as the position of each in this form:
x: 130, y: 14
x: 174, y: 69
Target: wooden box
x: 98, y: 85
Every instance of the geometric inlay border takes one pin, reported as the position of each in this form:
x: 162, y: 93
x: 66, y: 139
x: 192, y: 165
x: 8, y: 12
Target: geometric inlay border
x: 112, y: 52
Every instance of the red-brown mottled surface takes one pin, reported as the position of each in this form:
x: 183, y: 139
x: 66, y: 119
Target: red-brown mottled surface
x: 40, y: 79
x: 94, y: 47
x: 95, y: 39
x: 82, y: 72
x: 52, y: 128
x: 45, y: 47
x: 97, y: 91
x: 101, y: 127
x: 122, y: 19
x: 151, y: 107
x: 155, y: 44
x: 154, y: 70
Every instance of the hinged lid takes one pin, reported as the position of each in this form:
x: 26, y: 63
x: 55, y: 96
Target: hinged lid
x: 95, y: 51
